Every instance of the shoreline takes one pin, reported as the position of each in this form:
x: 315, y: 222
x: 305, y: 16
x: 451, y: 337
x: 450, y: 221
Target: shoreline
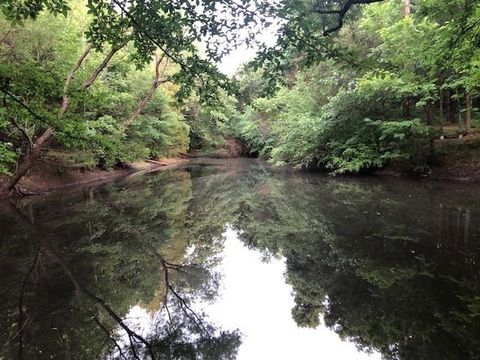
x: 439, y: 174
x: 42, y: 182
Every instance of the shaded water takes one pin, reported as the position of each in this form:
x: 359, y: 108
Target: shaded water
x: 231, y: 260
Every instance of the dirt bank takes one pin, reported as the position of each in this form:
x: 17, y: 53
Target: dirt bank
x: 47, y: 178
x: 455, y: 160
x: 458, y: 160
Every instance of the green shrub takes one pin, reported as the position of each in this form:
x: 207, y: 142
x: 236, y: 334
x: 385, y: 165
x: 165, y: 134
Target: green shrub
x: 8, y: 157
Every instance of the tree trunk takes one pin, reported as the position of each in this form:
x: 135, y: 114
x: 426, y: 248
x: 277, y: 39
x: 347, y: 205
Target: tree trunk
x: 429, y: 120
x: 407, y: 7
x: 406, y: 108
x: 459, y: 112
x: 466, y: 225
x: 31, y: 156
x: 468, y: 117
x: 155, y: 84
x: 102, y: 66
x: 450, y: 108
x: 10, y: 184
x: 68, y: 80
x: 440, y: 109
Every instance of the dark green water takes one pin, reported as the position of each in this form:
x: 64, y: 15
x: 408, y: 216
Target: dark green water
x: 231, y: 260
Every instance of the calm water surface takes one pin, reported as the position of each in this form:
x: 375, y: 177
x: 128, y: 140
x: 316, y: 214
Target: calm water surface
x: 231, y: 260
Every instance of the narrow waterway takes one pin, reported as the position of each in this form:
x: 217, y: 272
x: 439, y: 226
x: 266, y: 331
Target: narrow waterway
x: 230, y: 259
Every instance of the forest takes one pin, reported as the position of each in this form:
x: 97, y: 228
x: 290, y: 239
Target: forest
x: 113, y: 259
x: 348, y: 87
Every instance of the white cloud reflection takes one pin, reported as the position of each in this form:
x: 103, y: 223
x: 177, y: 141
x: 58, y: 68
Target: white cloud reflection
x: 255, y: 299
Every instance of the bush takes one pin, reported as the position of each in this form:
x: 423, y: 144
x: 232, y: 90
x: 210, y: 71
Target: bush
x: 7, y: 158
x: 339, y: 136
x: 164, y: 136
x: 377, y: 144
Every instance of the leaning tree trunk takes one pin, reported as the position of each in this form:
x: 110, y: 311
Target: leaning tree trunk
x: 148, y: 96
x: 68, y: 80
x: 30, y: 158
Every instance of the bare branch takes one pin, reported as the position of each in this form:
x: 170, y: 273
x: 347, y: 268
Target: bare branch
x: 340, y: 13
x: 183, y: 303
x: 155, y: 84
x: 107, y: 332
x: 23, y: 131
x: 68, y: 80
x: 102, y: 65
x: 5, y: 36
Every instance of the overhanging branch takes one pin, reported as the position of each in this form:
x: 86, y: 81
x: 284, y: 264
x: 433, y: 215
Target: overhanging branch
x: 341, y: 12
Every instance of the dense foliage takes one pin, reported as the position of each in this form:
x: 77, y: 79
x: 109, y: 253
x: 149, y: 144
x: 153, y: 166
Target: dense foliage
x: 376, y: 94
x: 347, y: 87
x: 102, y: 79
x: 98, y: 130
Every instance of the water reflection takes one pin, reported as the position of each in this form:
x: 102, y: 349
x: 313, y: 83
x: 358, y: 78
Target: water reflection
x: 391, y: 266
x: 73, y: 269
x: 264, y: 315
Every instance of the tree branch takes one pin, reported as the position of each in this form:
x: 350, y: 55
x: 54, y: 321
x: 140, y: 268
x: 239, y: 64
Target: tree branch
x: 107, y: 332
x: 187, y: 310
x: 155, y: 84
x: 102, y: 65
x: 68, y: 80
x: 20, y: 305
x: 23, y: 131
x: 340, y: 13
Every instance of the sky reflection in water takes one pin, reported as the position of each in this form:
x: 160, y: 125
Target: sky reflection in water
x: 255, y: 299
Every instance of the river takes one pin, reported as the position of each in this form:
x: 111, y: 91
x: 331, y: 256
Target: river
x: 231, y: 259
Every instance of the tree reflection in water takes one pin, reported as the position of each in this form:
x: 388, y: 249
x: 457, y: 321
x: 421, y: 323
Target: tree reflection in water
x: 74, y: 269
x: 390, y: 265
